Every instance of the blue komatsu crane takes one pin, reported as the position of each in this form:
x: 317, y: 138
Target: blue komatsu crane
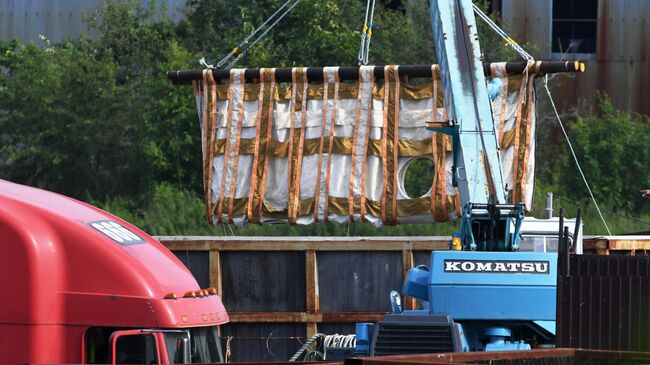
x: 487, y: 223
x: 483, y: 295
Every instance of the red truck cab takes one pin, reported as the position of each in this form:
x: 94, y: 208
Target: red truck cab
x: 79, y: 285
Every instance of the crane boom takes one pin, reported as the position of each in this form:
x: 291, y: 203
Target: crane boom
x: 487, y: 220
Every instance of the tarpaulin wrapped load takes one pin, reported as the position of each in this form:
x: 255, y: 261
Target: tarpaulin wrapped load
x: 305, y: 152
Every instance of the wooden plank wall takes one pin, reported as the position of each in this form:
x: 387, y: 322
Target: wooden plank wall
x: 310, y: 249
x: 280, y: 290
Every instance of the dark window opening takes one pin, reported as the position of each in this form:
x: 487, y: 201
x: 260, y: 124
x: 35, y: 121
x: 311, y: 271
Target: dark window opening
x: 98, y: 348
x: 136, y: 349
x: 132, y: 349
x: 204, y: 348
x: 575, y: 24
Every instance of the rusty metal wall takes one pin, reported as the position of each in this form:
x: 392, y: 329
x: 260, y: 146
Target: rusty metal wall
x: 528, y: 21
x: 275, y: 282
x: 257, y: 282
x: 279, y: 291
x: 264, y: 281
x: 262, y: 341
x: 621, y: 65
x: 604, y: 303
x: 526, y: 357
x: 26, y: 20
x: 358, y: 281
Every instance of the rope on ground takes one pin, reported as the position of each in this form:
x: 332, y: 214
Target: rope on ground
x: 305, y: 346
x: 337, y: 340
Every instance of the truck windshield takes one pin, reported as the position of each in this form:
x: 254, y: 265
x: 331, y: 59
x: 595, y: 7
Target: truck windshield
x: 205, y: 346
x: 540, y: 242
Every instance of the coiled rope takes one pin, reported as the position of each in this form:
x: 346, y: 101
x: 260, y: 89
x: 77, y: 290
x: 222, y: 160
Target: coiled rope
x: 337, y: 340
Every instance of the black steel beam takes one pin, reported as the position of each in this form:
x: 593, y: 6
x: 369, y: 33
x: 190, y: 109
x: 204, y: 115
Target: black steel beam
x: 352, y: 73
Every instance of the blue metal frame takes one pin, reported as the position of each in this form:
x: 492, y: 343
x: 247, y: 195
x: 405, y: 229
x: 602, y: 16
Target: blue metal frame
x: 467, y: 102
x: 490, y: 292
x: 492, y: 295
x: 486, y: 223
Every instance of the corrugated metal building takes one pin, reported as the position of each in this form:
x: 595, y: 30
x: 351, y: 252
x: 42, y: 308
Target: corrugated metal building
x: 612, y: 36
x: 26, y: 20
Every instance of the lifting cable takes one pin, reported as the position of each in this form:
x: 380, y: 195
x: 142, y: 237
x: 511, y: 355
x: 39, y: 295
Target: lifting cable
x: 509, y: 41
x: 525, y: 55
x: 575, y: 158
x: 366, y: 33
x: 241, y: 50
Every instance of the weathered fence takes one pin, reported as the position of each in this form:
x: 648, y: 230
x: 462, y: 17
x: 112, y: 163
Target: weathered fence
x: 604, y: 303
x: 280, y: 290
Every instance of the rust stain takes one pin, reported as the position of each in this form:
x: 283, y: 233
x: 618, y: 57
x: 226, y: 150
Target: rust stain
x: 302, y: 317
x: 602, y: 50
x: 551, y: 355
x: 303, y: 244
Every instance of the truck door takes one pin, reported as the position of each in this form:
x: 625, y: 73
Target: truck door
x: 135, y: 347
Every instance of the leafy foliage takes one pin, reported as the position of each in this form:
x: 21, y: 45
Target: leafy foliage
x: 315, y: 33
x: 63, y: 124
x: 97, y: 120
x: 613, y: 150
x: 169, y: 210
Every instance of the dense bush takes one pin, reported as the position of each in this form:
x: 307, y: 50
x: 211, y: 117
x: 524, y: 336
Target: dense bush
x: 96, y: 119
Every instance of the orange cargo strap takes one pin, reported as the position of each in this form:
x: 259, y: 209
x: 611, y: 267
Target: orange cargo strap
x: 331, y: 145
x: 233, y: 180
x: 321, y: 143
x: 371, y: 83
x: 267, y: 152
x: 391, y: 131
x: 355, y: 136
x: 514, y: 198
x: 294, y: 156
x: 529, y: 126
x: 261, y: 124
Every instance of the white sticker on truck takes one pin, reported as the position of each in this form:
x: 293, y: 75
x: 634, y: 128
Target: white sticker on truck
x: 117, y: 232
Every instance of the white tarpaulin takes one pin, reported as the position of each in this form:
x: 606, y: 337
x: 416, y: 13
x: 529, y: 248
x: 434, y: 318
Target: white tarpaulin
x: 337, y: 151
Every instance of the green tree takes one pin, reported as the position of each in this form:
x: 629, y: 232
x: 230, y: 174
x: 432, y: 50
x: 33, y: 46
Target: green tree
x: 63, y: 124
x: 97, y: 117
x: 612, y: 148
x: 321, y: 33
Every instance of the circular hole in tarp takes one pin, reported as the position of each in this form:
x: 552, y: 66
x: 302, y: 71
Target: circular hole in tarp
x: 416, y: 177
